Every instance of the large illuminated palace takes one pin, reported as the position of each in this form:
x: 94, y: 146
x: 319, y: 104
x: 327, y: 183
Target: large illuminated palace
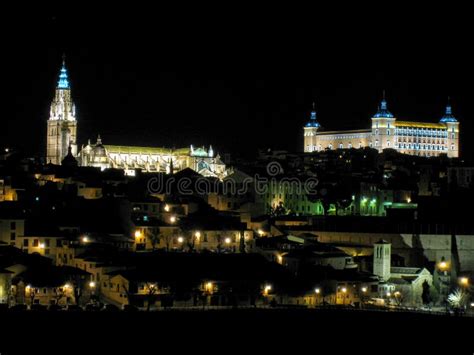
x: 61, y: 137
x: 414, y: 138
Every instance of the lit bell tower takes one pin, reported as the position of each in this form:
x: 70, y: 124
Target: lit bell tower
x: 62, y: 124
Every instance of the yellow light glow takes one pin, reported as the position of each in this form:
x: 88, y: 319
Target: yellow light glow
x: 443, y: 265
x: 227, y: 240
x: 389, y: 294
x: 364, y: 289
x: 67, y: 286
x: 28, y: 287
x: 280, y: 259
x: 197, y: 235
x: 92, y: 284
x: 344, y: 290
x: 138, y: 234
x: 318, y: 291
x: 408, y: 200
x: 85, y: 239
x: 464, y: 281
x: 180, y: 240
x: 397, y: 294
x: 41, y: 246
x: 172, y: 219
x: 167, y: 208
x: 261, y: 232
x: 209, y: 286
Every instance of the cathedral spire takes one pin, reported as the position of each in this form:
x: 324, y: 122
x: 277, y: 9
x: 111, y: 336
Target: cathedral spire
x: 63, y: 82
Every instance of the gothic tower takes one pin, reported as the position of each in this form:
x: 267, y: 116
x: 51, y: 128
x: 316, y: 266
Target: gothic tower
x: 62, y: 124
x: 382, y: 259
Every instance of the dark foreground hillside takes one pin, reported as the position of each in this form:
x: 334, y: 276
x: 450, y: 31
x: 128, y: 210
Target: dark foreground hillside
x: 262, y: 330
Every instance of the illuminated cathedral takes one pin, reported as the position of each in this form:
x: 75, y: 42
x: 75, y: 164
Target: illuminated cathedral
x: 61, y: 144
x: 386, y: 132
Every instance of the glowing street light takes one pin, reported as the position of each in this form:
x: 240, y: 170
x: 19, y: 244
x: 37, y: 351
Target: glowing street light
x: 464, y: 281
x: 173, y: 219
x: 92, y: 284
x: 209, y: 286
x: 180, y: 240
x: 280, y: 259
x: 197, y: 235
x: 41, y: 246
x: 167, y: 208
x: 261, y: 232
x: 138, y: 234
x: 344, y: 290
x: 227, y: 240
x: 85, y: 239
x: 364, y: 289
x: 267, y: 289
x: 317, y: 291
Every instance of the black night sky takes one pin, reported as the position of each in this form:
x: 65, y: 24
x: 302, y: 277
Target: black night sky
x: 237, y: 80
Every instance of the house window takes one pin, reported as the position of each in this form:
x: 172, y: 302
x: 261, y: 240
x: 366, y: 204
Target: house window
x: 13, y: 225
x: 25, y: 242
x: 12, y: 236
x: 35, y: 242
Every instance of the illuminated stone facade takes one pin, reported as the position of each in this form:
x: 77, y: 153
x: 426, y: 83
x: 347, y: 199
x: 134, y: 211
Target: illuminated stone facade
x: 62, y: 124
x: 386, y: 132
x: 152, y: 159
x: 62, y: 128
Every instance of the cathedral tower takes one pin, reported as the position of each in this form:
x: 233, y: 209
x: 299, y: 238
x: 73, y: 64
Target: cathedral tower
x: 62, y: 124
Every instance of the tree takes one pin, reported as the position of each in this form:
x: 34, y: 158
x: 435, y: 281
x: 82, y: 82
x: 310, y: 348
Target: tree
x: 458, y: 299
x: 151, y: 291
x: 425, y: 295
x: 154, y: 237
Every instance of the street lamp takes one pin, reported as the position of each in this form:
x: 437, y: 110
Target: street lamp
x: 173, y: 219
x: 180, y: 240
x: 267, y: 290
x: 227, y: 240
x: 464, y: 281
x: 85, y: 239
x: 167, y: 208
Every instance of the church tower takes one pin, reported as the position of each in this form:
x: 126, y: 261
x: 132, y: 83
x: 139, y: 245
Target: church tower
x: 382, y: 259
x: 310, y: 133
x: 62, y: 124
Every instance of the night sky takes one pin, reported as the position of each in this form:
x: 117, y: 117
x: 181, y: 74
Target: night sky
x: 240, y: 80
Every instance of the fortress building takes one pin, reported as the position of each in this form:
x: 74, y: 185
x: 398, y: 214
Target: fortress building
x: 61, y: 138
x: 414, y: 138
